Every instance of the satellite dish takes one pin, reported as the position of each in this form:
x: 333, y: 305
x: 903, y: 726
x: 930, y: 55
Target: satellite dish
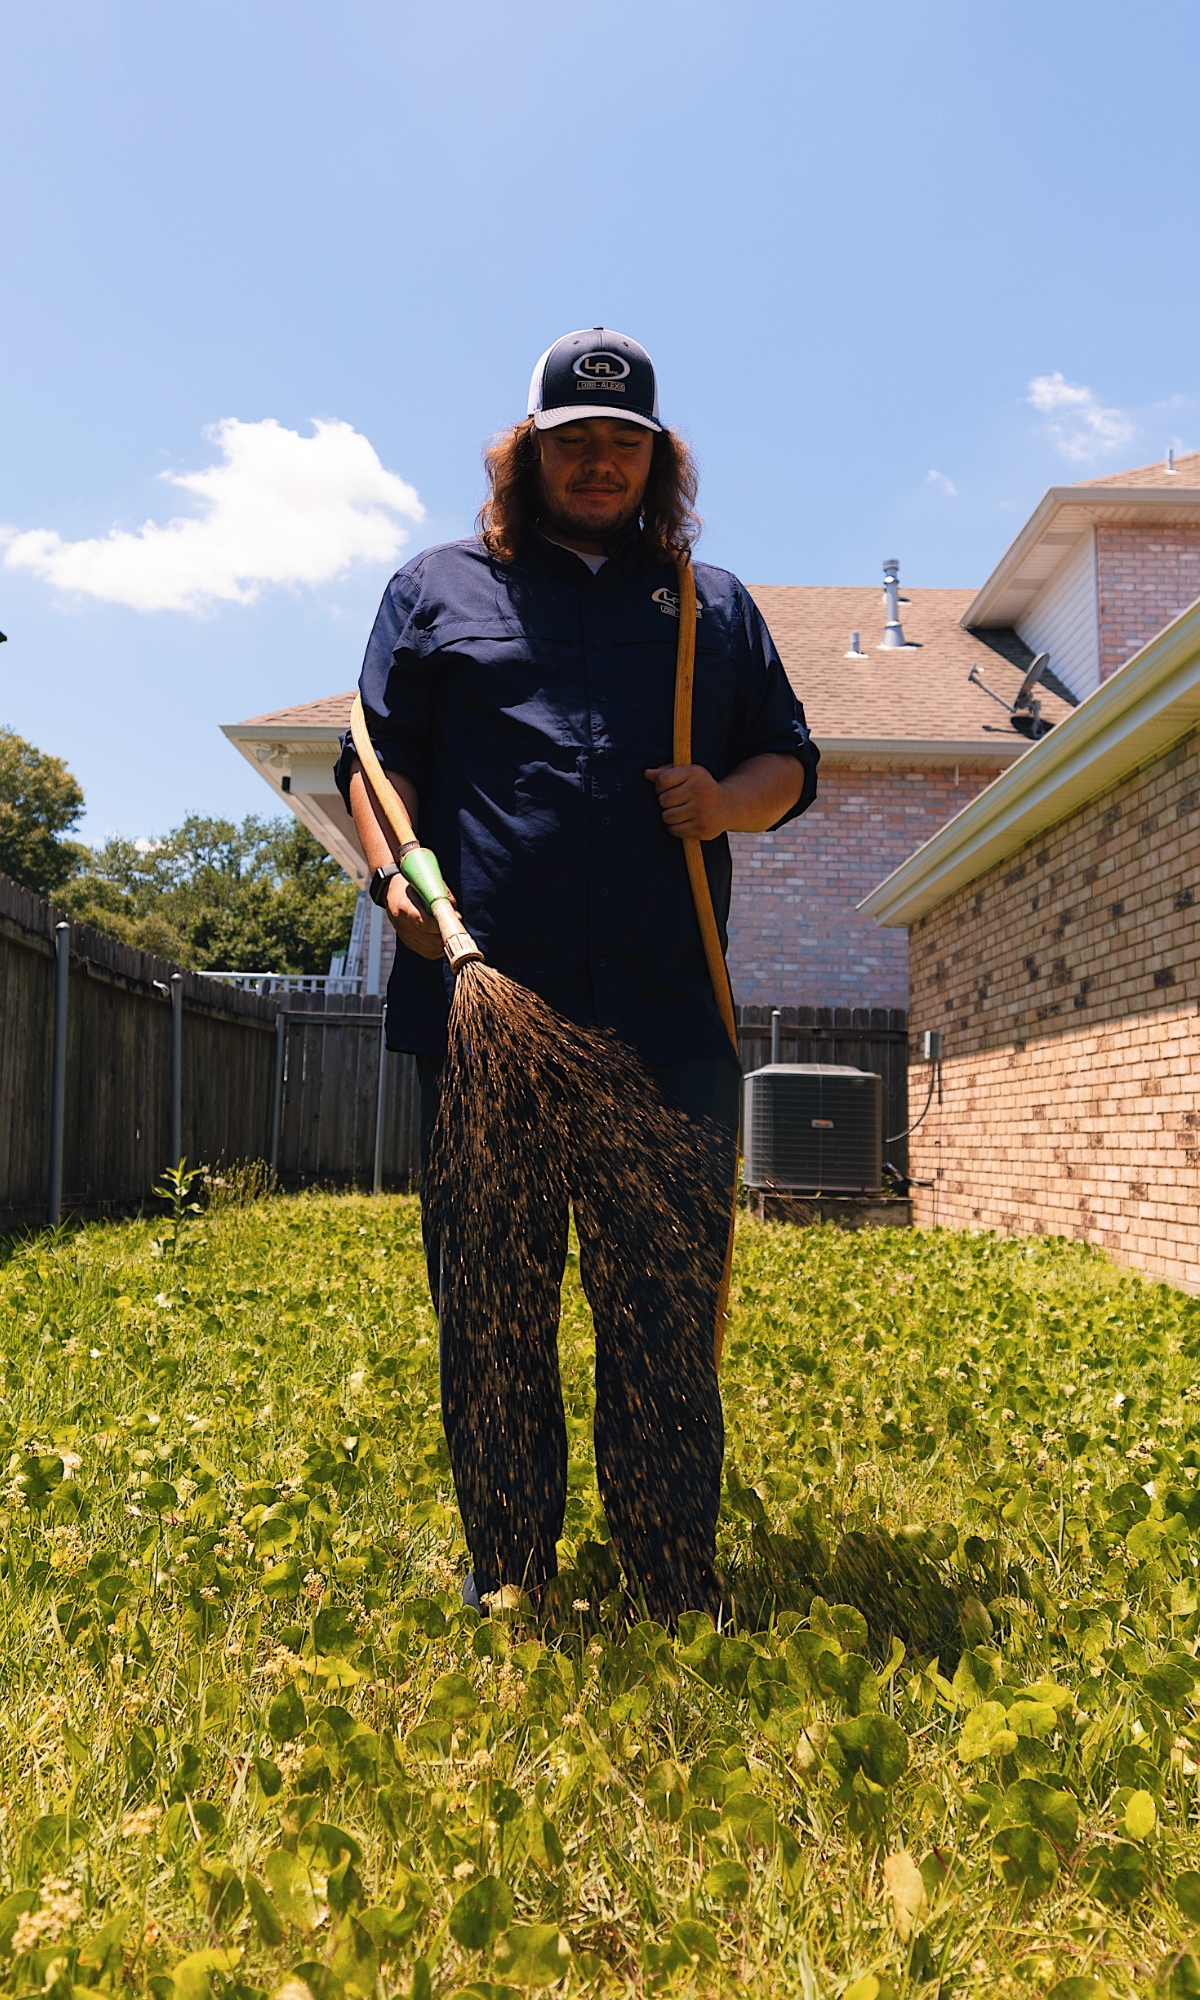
x: 1031, y: 680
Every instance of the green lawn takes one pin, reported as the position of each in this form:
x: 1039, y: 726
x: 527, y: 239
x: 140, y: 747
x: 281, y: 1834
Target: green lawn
x: 250, y: 1739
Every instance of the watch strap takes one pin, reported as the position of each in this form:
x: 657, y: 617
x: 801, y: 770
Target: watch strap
x: 377, y: 888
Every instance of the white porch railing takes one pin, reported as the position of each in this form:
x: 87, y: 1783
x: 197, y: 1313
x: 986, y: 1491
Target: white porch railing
x: 289, y: 982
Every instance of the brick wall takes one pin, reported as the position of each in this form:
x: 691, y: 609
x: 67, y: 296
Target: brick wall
x: 1066, y: 985
x: 1145, y: 577
x: 795, y: 935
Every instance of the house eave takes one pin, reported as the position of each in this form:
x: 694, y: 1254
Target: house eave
x: 292, y: 732
x: 997, y: 602
x: 1149, y: 704
x: 322, y: 812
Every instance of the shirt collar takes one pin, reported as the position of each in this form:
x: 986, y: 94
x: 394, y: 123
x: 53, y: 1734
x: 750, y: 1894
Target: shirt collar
x: 551, y: 557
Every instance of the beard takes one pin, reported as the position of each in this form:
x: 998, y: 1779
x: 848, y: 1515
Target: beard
x: 577, y: 525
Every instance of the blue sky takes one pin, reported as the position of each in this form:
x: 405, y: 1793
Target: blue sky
x: 852, y: 237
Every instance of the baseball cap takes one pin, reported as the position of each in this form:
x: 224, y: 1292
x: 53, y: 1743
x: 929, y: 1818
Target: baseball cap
x: 594, y: 373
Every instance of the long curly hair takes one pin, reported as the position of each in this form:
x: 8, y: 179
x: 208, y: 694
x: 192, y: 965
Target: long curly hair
x: 668, y: 512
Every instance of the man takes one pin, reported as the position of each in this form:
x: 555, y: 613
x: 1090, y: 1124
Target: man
x: 519, y: 691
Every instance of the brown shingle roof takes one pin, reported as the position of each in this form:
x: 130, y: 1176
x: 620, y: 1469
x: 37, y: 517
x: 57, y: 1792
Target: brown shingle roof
x: 888, y: 704
x: 923, y: 696
x: 331, y: 712
x: 1186, y: 473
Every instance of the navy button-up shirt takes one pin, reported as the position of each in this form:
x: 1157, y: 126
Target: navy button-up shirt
x: 526, y: 701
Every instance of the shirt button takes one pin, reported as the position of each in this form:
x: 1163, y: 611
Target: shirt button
x: 604, y: 892
x: 604, y: 820
x: 602, y: 961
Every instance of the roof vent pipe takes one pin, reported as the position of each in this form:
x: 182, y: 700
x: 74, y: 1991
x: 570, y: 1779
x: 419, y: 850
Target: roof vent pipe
x: 894, y: 635
x: 1170, y: 458
x: 856, y: 651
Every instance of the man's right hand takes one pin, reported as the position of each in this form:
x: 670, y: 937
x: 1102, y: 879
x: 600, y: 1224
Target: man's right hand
x: 407, y: 914
x: 411, y: 921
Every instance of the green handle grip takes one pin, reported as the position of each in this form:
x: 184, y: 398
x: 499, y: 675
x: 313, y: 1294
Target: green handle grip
x: 422, y: 870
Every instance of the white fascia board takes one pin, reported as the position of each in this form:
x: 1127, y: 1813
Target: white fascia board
x: 307, y: 733
x: 1096, y: 502
x: 922, y: 750
x: 1140, y: 711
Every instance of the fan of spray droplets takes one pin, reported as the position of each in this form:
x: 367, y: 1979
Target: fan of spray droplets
x: 535, y: 1113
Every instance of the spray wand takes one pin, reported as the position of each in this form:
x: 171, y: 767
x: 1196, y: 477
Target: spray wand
x: 418, y: 865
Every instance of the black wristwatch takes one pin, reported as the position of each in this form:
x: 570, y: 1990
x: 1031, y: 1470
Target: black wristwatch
x: 377, y: 888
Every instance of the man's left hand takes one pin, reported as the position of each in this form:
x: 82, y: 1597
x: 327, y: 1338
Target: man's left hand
x: 755, y: 796
x: 694, y: 805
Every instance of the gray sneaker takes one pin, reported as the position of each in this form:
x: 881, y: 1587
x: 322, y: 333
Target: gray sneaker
x: 470, y: 1596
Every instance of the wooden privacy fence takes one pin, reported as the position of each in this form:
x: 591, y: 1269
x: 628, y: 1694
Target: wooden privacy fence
x: 870, y: 1038
x: 145, y: 1063
x: 339, y: 1117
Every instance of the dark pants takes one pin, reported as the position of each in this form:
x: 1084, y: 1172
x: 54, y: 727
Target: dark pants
x: 659, y: 1432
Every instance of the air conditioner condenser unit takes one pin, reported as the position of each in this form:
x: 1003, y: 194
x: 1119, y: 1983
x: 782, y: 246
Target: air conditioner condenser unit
x: 813, y: 1128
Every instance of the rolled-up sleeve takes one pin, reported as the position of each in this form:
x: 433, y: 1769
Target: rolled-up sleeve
x: 396, y: 694
x: 768, y: 717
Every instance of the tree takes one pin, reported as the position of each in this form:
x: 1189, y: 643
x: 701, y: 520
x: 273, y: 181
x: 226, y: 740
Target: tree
x: 260, y: 897
x: 39, y: 801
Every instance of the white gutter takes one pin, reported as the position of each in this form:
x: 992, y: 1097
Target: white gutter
x: 1144, y: 708
x: 1095, y: 502
x: 924, y: 750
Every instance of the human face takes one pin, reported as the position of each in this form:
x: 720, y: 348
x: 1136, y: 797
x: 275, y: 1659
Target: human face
x: 593, y: 476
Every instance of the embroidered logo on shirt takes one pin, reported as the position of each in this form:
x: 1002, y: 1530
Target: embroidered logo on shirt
x: 601, y: 367
x: 668, y: 602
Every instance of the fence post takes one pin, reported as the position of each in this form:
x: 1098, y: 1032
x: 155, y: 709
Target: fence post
x: 776, y: 1015
x: 176, y: 1068
x: 58, y: 1071
x: 380, y: 1105
x: 374, y: 948
x: 277, y: 1092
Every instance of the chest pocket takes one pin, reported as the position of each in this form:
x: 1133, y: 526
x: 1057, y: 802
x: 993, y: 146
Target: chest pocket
x: 644, y: 677
x: 502, y: 683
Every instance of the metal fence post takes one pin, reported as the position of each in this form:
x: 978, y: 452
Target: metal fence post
x: 277, y: 1092
x: 380, y: 1105
x: 176, y: 1068
x: 374, y: 949
x: 58, y: 1072
x: 776, y: 1013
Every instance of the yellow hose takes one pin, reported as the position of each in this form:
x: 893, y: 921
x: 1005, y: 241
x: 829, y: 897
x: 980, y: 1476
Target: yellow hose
x: 693, y: 853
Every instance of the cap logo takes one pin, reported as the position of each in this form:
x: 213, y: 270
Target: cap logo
x: 602, y: 367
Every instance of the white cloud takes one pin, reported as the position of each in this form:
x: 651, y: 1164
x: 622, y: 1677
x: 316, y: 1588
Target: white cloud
x: 1080, y: 425
x: 279, y: 509
x: 943, y: 484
